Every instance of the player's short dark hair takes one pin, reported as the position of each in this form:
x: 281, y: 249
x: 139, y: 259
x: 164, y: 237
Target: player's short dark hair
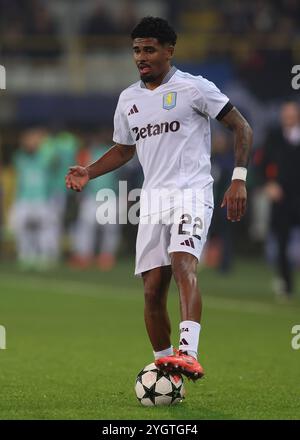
x: 155, y: 27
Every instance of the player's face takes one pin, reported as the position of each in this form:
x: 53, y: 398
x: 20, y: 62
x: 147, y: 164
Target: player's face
x: 152, y: 58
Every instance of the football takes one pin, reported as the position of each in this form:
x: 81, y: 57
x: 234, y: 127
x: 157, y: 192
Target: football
x: 154, y: 387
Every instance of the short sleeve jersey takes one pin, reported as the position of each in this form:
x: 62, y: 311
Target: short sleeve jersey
x: 170, y: 127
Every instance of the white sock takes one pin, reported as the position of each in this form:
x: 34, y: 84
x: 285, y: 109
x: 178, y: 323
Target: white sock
x: 189, y: 337
x: 167, y: 352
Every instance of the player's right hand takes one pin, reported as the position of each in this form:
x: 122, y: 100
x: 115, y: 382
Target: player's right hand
x: 77, y: 178
x: 235, y: 199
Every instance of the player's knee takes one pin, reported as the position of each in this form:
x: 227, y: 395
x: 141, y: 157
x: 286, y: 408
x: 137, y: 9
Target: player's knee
x: 184, y: 274
x: 153, y: 296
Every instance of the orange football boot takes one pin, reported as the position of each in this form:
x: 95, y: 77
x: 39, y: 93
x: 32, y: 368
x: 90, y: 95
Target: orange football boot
x: 181, y: 363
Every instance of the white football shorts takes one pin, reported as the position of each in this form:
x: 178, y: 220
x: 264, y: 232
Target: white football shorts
x: 178, y: 230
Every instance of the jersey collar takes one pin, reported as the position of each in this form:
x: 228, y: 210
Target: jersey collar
x: 166, y: 78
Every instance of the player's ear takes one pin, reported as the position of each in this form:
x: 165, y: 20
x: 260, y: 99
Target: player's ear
x: 170, y: 52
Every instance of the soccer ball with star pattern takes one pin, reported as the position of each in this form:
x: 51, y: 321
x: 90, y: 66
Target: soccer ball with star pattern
x: 154, y: 387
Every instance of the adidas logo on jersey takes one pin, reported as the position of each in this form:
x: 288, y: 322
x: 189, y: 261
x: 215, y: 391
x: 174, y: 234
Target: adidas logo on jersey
x: 154, y: 130
x: 189, y: 242
x: 133, y: 110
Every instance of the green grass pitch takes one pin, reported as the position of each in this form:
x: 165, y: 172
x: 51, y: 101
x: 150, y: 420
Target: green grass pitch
x: 76, y: 340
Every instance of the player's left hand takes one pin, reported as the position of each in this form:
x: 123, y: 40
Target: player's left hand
x: 235, y: 199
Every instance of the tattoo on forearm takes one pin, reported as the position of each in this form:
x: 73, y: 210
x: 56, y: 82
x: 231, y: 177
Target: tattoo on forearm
x: 242, y: 145
x: 242, y: 136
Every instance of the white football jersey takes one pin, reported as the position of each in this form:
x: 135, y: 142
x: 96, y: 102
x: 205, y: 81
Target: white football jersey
x: 170, y: 127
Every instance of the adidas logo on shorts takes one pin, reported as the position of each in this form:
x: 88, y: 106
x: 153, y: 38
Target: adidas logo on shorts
x: 189, y: 242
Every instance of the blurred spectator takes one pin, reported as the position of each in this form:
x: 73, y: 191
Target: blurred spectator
x: 42, y: 28
x: 290, y: 9
x: 127, y: 17
x: 100, y: 21
x: 219, y: 252
x: 280, y: 166
x: 62, y: 148
x: 259, y: 64
x: 27, y: 28
x: 91, y: 240
x: 30, y: 214
x: 264, y: 15
x: 238, y: 16
x: 174, y: 11
x: 12, y: 27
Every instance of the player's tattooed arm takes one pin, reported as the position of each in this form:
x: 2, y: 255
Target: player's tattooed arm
x: 243, y: 135
x: 235, y: 197
x: 115, y: 157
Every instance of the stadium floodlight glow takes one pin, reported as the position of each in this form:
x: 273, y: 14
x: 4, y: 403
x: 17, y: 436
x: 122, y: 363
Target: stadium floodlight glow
x: 2, y: 78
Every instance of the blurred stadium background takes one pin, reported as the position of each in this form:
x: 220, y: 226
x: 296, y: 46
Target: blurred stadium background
x: 66, y: 63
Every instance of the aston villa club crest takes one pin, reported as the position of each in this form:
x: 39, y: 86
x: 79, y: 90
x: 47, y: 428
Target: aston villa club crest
x: 169, y: 100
